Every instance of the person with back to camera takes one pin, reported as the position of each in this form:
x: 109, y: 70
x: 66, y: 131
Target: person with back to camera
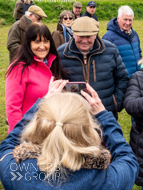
x: 133, y: 104
x: 18, y: 10
x: 26, y: 5
x: 28, y: 77
x: 88, y: 58
x: 18, y: 29
x: 121, y: 33
x: 63, y: 33
x: 59, y: 143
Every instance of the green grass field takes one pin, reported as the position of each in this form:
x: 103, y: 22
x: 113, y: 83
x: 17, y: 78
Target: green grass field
x: 124, y: 118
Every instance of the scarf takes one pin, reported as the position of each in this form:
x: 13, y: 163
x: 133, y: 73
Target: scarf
x: 68, y: 33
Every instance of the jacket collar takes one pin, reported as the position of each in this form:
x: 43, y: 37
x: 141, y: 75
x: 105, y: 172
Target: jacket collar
x: 50, y: 58
x: 23, y: 23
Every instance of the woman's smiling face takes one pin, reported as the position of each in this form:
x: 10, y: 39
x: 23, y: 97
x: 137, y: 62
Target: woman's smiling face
x: 40, y: 48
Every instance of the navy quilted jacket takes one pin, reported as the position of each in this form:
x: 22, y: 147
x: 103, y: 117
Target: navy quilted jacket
x: 102, y: 68
x: 128, y: 45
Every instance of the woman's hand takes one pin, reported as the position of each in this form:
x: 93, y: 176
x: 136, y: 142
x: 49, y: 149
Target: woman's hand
x: 56, y: 86
x: 93, y: 100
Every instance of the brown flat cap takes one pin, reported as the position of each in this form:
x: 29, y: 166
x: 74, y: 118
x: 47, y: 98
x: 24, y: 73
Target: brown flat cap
x: 85, y: 26
x: 77, y: 4
x: 37, y: 10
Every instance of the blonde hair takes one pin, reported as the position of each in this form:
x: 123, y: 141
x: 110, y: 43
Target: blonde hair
x: 66, y: 131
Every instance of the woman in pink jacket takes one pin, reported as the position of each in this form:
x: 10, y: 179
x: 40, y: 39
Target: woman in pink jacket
x: 29, y: 75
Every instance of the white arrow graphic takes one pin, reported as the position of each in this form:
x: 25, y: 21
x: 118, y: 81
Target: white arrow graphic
x: 14, y: 176
x: 20, y: 176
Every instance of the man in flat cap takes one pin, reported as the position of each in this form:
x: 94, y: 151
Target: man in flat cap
x: 88, y: 58
x: 19, y: 28
x: 77, y: 7
x: 90, y: 10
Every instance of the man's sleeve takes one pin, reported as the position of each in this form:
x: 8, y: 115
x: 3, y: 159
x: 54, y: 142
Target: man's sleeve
x: 13, y: 40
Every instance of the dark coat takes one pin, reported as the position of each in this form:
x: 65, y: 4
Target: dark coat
x: 26, y: 6
x: 133, y: 104
x: 76, y: 16
x: 120, y: 174
x: 18, y: 11
x: 58, y: 36
x: 89, y: 15
x: 128, y: 45
x: 16, y: 35
x: 104, y: 71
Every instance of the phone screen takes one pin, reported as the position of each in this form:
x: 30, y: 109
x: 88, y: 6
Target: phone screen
x: 75, y: 87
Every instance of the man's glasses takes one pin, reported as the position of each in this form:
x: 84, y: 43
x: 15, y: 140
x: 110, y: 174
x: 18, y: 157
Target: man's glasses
x: 38, y: 18
x: 70, y: 18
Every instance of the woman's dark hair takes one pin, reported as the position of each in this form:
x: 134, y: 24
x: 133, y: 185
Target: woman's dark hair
x: 26, y: 55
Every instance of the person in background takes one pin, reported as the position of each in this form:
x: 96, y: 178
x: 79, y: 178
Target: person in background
x: 88, y: 58
x: 77, y: 7
x: 29, y: 75
x: 18, y: 29
x: 18, y: 10
x: 26, y: 5
x: 90, y: 10
x: 121, y: 33
x: 59, y: 143
x: 133, y: 105
x: 63, y: 33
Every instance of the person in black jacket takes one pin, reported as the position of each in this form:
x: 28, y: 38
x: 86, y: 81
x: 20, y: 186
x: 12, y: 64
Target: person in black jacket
x: 90, y: 10
x: 26, y: 5
x: 133, y: 104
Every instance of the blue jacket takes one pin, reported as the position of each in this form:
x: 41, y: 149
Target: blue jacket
x: 128, y: 45
x: 120, y: 174
x: 102, y: 68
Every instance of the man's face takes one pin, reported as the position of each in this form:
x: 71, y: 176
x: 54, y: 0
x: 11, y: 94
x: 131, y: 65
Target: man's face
x: 77, y: 11
x: 91, y: 10
x: 84, y: 43
x: 125, y: 22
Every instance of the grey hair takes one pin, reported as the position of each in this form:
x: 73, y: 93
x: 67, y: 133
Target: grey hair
x: 125, y: 9
x: 27, y: 13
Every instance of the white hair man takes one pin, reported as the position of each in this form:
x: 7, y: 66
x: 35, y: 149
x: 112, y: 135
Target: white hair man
x: 19, y: 28
x: 121, y: 33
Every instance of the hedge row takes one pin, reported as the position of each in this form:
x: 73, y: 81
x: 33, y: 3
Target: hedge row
x: 104, y: 11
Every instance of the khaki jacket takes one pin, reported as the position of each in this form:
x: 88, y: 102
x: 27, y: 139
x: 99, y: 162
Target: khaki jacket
x: 18, y: 11
x: 58, y: 36
x: 16, y: 35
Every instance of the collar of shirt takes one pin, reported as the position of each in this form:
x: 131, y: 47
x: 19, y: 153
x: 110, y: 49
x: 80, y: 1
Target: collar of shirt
x: 129, y: 32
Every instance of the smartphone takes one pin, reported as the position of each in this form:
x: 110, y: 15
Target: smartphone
x: 75, y: 87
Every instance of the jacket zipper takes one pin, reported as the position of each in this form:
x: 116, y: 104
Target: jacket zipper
x: 85, y: 63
